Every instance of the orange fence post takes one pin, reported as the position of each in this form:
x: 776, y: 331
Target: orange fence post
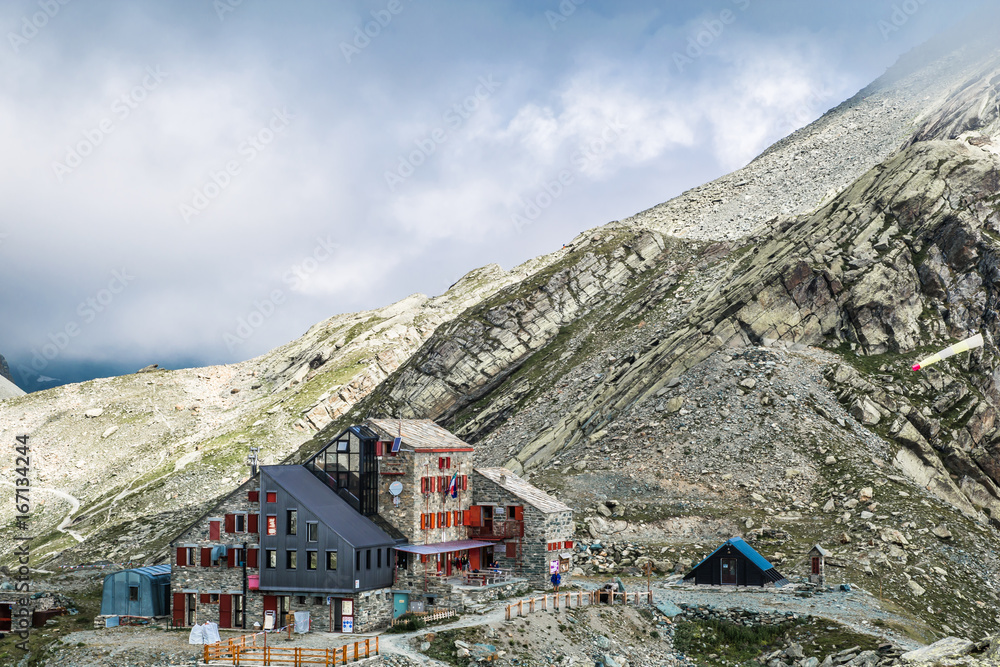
x: 376, y: 644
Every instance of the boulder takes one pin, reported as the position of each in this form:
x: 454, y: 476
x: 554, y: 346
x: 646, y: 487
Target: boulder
x: 944, y: 649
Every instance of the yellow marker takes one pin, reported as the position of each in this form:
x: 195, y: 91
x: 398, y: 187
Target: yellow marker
x: 964, y: 346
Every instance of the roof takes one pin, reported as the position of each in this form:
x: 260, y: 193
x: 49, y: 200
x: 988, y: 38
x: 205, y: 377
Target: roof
x: 523, y: 490
x: 417, y: 433
x: 751, y: 554
x: 242, y: 488
x: 358, y: 530
x: 442, y: 547
x: 820, y: 550
x: 150, y: 571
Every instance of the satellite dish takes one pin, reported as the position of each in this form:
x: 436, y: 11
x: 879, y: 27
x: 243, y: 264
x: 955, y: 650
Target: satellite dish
x: 396, y: 488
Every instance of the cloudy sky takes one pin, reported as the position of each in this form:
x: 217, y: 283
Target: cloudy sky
x: 169, y: 168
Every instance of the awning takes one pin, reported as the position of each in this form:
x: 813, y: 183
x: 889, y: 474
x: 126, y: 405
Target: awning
x: 442, y: 547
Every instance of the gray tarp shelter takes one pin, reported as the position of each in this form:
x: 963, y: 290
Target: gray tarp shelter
x: 144, y: 591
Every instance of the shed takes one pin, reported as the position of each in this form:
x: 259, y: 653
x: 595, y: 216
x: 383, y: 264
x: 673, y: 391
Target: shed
x: 817, y: 565
x: 143, y: 591
x: 735, y: 563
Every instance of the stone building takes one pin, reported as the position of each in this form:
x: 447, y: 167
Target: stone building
x: 374, y: 523
x: 531, y: 531
x: 215, y: 564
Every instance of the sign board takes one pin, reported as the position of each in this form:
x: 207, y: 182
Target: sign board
x: 329, y: 600
x: 272, y: 525
x: 554, y: 566
x: 269, y: 620
x: 347, y: 624
x: 347, y: 608
x: 396, y: 488
x: 357, y: 583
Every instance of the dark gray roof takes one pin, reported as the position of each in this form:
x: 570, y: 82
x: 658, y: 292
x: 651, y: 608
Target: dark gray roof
x: 358, y: 530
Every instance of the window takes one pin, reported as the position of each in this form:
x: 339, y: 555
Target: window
x: 302, y: 599
x: 368, y: 559
x: 237, y: 611
x: 272, y: 496
x: 133, y: 593
x: 240, y: 523
x: 378, y: 558
x: 213, y: 598
x: 271, y: 558
x: 318, y: 600
x: 357, y: 560
x: 272, y: 524
x: 331, y: 560
x: 312, y: 560
x: 291, y: 559
x: 293, y: 522
x: 312, y: 531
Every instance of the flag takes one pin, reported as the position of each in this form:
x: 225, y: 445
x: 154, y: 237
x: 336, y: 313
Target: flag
x: 957, y: 348
x: 453, y: 486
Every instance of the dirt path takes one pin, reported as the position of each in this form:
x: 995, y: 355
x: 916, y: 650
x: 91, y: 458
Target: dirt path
x: 68, y: 519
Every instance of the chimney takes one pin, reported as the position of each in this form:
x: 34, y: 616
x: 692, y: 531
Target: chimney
x: 503, y: 478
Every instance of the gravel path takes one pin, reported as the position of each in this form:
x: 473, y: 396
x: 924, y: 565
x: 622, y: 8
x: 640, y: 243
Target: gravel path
x: 855, y: 609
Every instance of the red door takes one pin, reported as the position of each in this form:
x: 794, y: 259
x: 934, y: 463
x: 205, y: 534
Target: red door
x: 179, y: 607
x: 271, y: 604
x: 474, y: 558
x: 447, y: 566
x: 225, y: 611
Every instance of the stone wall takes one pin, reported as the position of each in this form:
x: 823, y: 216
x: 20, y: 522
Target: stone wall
x: 220, y: 579
x: 413, y: 503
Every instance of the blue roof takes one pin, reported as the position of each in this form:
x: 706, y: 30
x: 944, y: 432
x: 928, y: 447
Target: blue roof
x: 150, y: 571
x: 745, y: 549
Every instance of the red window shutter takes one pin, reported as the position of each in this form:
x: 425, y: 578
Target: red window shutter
x: 465, y: 482
x: 378, y: 448
x: 466, y: 518
x: 272, y: 496
x: 477, y: 515
x: 225, y: 611
x: 423, y: 522
x: 230, y: 523
x: 433, y: 520
x: 519, y: 513
x: 179, y: 609
x: 423, y: 558
x: 444, y: 483
x: 252, y: 557
x: 204, y: 598
x: 213, y: 530
x: 253, y: 496
x: 252, y: 521
x: 447, y: 462
x: 181, y: 557
x: 440, y: 462
x: 231, y: 557
x: 511, y: 550
x: 423, y: 485
x: 447, y: 519
x: 569, y: 544
x: 206, y: 557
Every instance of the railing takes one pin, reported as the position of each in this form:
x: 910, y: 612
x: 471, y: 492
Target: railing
x: 268, y: 655
x: 531, y: 605
x: 498, y: 530
x: 425, y: 616
x: 486, y: 577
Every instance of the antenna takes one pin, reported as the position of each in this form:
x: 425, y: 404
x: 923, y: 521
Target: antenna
x: 252, y: 460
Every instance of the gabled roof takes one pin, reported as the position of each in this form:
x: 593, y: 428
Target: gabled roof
x: 751, y: 554
x: 336, y: 513
x: 417, y: 433
x: 820, y: 550
x: 523, y: 490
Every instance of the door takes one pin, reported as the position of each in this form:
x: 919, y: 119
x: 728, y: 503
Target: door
x: 729, y: 572
x: 192, y: 608
x: 346, y: 606
x: 225, y: 611
x: 5, y: 617
x: 178, y: 610
x: 474, y: 558
x: 271, y: 605
x: 400, y: 604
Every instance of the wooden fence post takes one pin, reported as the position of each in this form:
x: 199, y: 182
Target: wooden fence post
x: 376, y: 644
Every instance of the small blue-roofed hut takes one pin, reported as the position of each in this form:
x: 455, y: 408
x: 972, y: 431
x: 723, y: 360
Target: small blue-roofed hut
x: 735, y: 563
x: 143, y: 591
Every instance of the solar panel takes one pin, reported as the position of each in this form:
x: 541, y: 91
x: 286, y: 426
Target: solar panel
x: 395, y: 445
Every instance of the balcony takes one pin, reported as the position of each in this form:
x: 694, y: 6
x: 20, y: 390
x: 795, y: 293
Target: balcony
x: 496, y: 530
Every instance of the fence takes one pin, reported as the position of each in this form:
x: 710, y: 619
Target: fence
x: 240, y: 651
x: 425, y: 616
x: 593, y: 597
